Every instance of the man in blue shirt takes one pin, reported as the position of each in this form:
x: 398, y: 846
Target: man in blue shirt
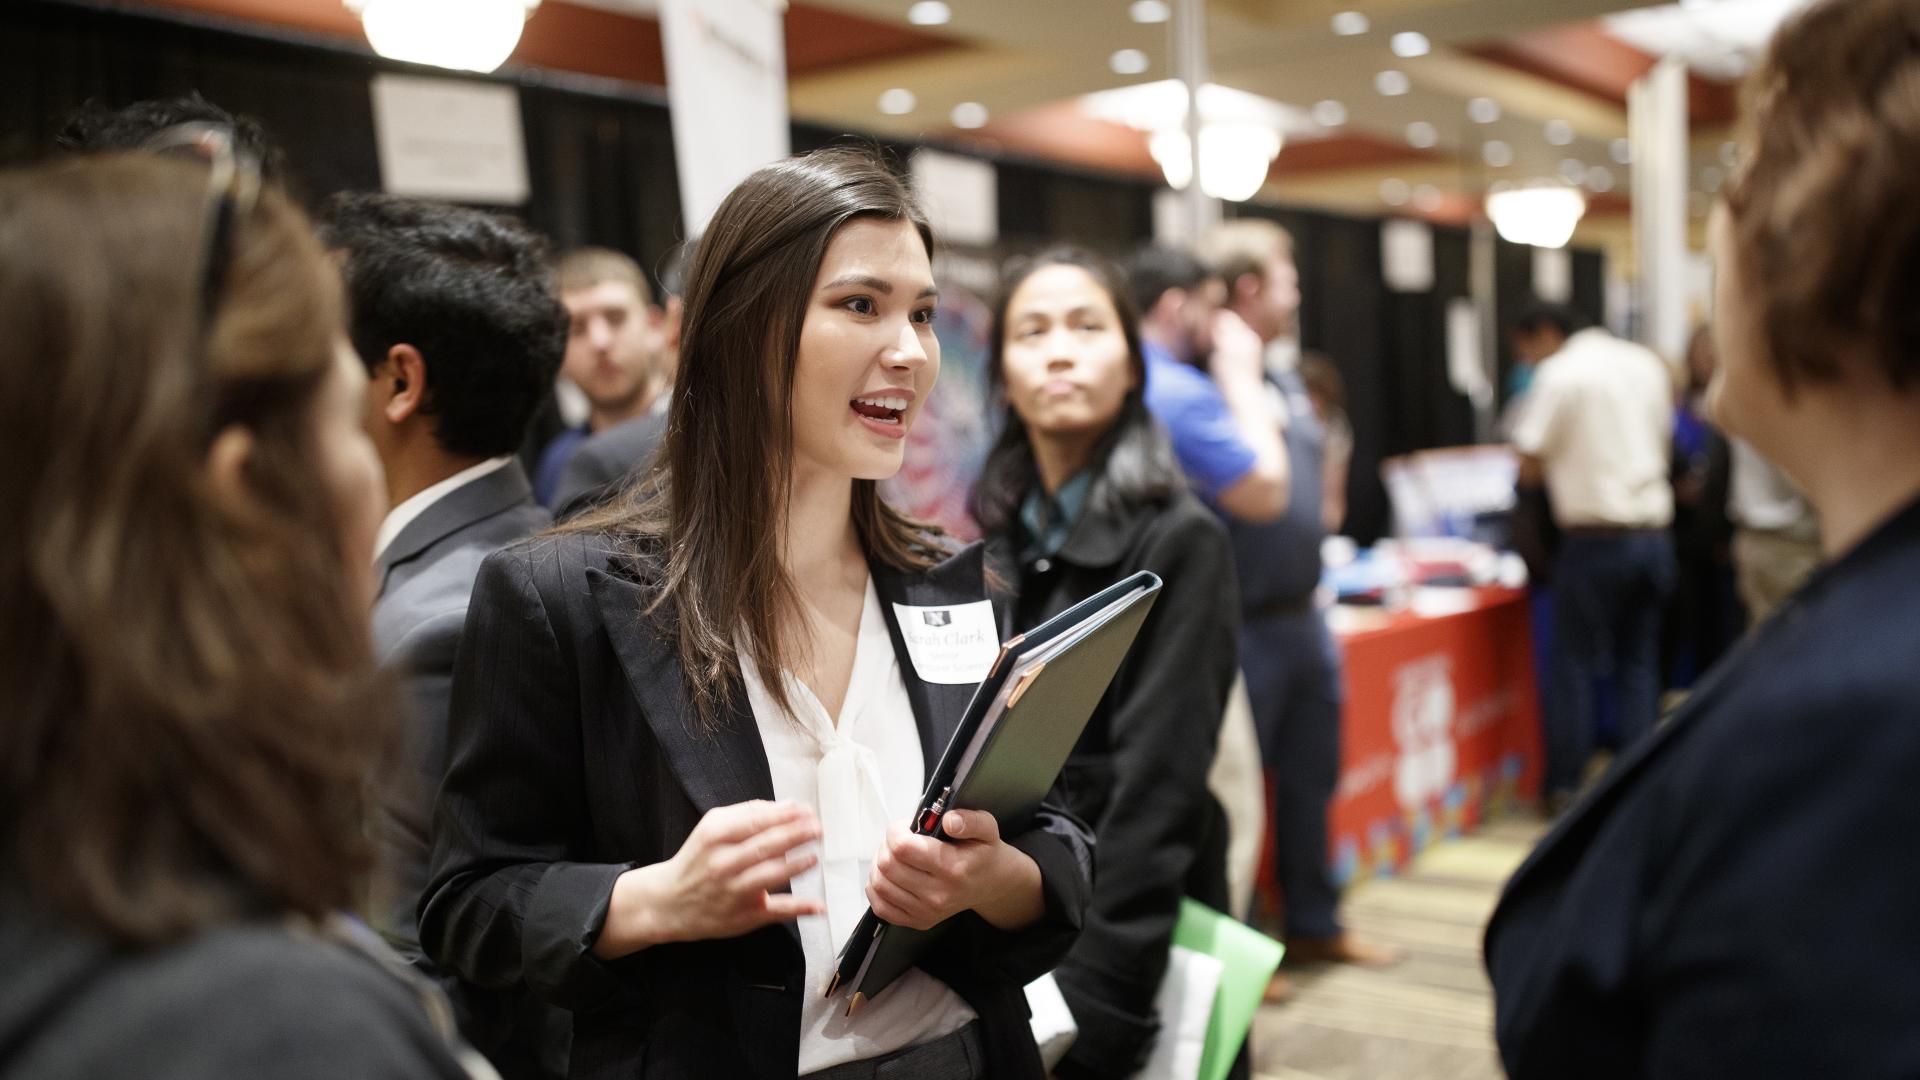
x: 1244, y: 431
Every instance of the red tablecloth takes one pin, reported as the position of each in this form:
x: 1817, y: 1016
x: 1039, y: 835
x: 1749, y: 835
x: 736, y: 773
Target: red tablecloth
x: 1441, y: 726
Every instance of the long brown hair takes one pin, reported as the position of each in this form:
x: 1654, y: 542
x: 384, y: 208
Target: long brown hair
x: 714, y: 501
x: 190, y: 706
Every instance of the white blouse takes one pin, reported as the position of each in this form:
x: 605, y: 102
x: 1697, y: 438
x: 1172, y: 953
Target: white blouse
x: 859, y: 775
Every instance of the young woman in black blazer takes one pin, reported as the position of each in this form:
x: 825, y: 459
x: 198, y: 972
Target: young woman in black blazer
x: 669, y: 711
x: 1080, y: 490
x: 1738, y: 896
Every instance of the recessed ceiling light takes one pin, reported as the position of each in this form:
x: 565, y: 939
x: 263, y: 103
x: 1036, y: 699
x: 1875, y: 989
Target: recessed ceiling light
x: 1128, y: 62
x: 929, y: 13
x: 1150, y: 11
x: 1730, y: 155
x: 1427, y: 198
x: 1329, y: 113
x: 1497, y: 153
x: 1395, y: 192
x: 1410, y: 44
x: 1483, y: 110
x: 1559, y: 132
x: 1573, y: 171
x: 1422, y: 135
x: 1392, y: 83
x: 1350, y: 23
x: 898, y: 101
x: 969, y: 114
x: 1712, y: 177
x: 1600, y: 179
x: 1622, y: 150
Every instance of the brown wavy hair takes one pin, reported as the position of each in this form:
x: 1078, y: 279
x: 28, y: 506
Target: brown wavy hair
x: 1824, y: 212
x: 711, y: 506
x: 191, y: 710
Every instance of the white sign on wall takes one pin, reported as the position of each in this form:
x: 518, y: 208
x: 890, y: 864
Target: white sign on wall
x: 961, y: 196
x: 455, y: 139
x: 1553, y: 275
x: 1406, y: 255
x: 727, y: 92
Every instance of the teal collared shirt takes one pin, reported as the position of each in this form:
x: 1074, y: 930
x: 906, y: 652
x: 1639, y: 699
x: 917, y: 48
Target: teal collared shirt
x: 1050, y: 521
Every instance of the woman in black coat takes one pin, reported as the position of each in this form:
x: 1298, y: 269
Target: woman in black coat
x: 1739, y: 896
x: 1081, y: 490
x: 686, y: 735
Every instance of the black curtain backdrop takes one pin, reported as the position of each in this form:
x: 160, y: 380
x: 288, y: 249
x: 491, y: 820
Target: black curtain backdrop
x: 601, y: 171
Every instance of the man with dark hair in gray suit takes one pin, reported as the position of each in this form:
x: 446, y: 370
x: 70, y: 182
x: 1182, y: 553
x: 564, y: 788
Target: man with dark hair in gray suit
x: 456, y: 317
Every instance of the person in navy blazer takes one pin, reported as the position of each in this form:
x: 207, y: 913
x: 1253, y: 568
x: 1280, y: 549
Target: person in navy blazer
x: 612, y: 831
x: 1739, y: 896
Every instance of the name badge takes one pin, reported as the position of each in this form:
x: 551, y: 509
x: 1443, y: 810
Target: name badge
x: 952, y: 645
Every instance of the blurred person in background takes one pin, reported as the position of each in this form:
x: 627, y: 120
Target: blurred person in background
x: 1735, y: 898
x: 456, y: 319
x: 1596, y: 432
x: 1204, y: 384
x: 614, y: 354
x: 606, y: 460
x: 192, y: 705
x: 1080, y: 491
x: 1289, y: 656
x: 1328, y: 392
x: 94, y: 129
x: 1704, y: 618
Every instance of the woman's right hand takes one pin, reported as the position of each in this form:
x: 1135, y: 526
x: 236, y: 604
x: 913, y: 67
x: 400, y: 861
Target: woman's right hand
x: 720, y: 884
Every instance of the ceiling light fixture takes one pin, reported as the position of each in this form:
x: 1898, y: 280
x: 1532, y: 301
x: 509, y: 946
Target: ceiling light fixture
x: 969, y: 115
x: 1559, y: 132
x: 1600, y: 179
x: 1497, y: 153
x: 1128, y: 62
x: 1622, y: 151
x: 1427, y: 199
x: 1234, y: 158
x: 1395, y: 192
x: 1422, y: 135
x: 1483, y: 110
x: 1542, y: 216
x: 1392, y: 83
x: 1329, y: 113
x: 929, y: 13
x: 467, y: 35
x: 898, y: 101
x: 1150, y: 11
x: 1350, y: 24
x: 1409, y: 44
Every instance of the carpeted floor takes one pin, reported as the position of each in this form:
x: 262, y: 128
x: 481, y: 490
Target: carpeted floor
x: 1428, y: 1018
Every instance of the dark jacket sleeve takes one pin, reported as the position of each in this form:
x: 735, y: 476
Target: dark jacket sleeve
x: 510, y: 897
x: 1164, y: 725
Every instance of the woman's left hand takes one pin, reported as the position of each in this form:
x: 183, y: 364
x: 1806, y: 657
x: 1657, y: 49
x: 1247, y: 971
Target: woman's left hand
x: 920, y: 882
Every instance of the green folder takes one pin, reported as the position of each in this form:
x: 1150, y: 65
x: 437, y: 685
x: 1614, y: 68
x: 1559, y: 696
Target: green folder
x: 1247, y: 960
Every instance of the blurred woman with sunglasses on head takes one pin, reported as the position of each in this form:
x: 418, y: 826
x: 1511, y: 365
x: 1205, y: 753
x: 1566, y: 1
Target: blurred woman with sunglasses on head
x: 1738, y: 897
x: 1081, y: 490
x: 191, y: 706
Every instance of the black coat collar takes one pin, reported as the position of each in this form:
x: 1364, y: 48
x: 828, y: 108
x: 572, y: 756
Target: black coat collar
x: 729, y: 765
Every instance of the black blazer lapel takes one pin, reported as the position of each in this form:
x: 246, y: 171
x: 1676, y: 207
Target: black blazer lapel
x: 717, y: 768
x: 937, y: 707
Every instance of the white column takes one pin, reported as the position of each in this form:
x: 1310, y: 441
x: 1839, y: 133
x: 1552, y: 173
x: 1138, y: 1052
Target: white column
x: 1190, y: 64
x: 1657, y: 121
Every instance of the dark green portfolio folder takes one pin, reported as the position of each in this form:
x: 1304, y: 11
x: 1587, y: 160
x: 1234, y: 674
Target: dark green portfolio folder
x: 1012, y: 742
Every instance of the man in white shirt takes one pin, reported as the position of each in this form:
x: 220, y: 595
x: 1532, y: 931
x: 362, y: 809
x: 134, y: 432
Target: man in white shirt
x: 455, y: 315
x: 1597, y: 428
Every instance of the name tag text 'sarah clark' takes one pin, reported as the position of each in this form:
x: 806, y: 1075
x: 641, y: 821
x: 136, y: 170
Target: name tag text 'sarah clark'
x: 953, y: 645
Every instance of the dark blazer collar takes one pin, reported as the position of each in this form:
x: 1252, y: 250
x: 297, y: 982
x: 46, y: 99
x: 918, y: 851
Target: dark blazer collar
x: 729, y: 765
x: 473, y: 501
x: 1898, y: 534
